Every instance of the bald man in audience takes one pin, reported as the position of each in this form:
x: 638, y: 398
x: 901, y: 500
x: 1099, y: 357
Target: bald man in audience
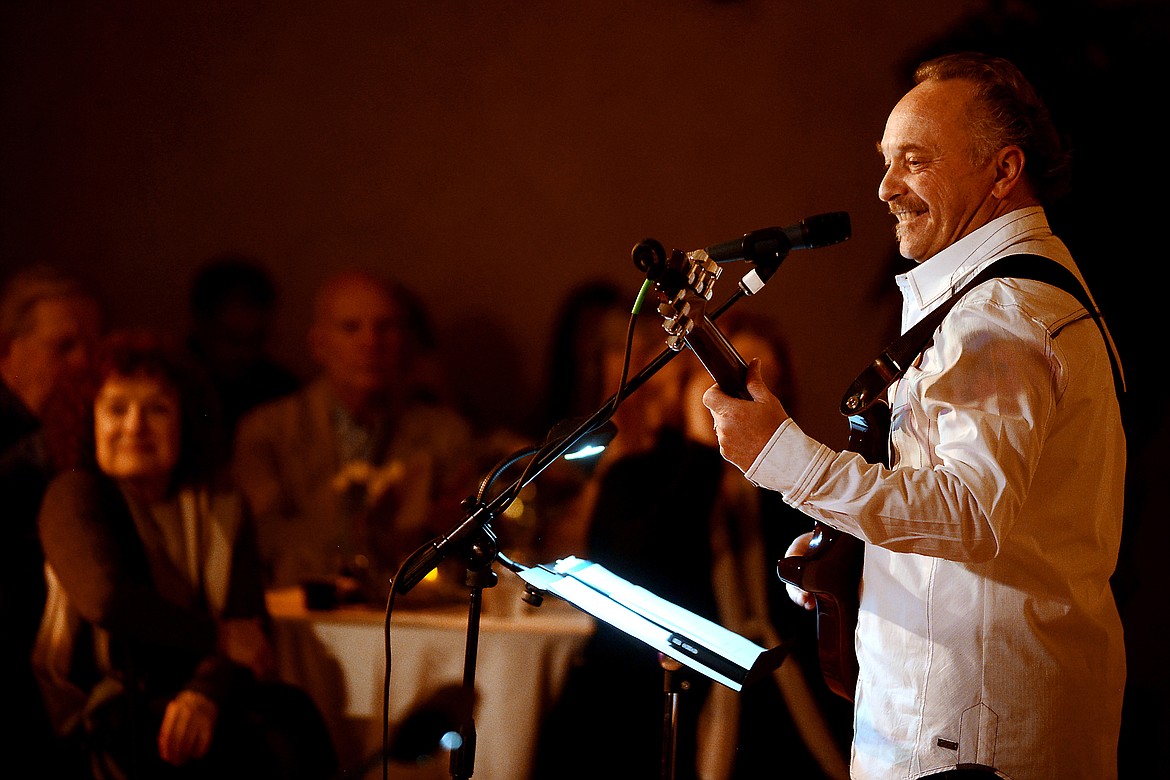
x: 350, y: 474
x: 49, y: 321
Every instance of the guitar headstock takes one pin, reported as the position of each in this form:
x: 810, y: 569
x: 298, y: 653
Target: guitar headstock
x: 685, y: 282
x: 684, y: 289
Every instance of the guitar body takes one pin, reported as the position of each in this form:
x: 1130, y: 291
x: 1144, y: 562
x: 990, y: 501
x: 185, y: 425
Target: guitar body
x: 831, y: 568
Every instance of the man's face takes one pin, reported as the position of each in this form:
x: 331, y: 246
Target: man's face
x: 358, y: 338
x: 931, y: 184
x: 62, y: 334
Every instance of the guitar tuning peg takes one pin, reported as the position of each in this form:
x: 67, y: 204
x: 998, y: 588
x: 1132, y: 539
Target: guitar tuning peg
x: 674, y: 322
x: 700, y: 259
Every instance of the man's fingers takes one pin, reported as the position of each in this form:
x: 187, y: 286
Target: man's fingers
x: 799, y: 546
x: 800, y: 597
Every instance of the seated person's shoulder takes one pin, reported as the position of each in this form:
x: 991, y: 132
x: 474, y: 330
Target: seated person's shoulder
x: 437, y: 422
x: 276, y: 415
x: 75, y: 494
x: 78, y: 483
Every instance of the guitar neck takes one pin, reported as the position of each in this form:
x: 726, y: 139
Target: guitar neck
x: 719, y: 357
x: 685, y: 282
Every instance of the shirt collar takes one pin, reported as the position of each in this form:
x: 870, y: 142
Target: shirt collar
x: 928, y: 284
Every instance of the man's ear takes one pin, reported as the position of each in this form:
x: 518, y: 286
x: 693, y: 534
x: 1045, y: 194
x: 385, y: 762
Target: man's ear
x: 1009, y: 171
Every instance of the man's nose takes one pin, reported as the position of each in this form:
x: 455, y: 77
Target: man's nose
x: 891, y: 185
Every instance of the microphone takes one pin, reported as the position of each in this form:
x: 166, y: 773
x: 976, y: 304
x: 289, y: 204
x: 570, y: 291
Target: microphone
x: 768, y: 246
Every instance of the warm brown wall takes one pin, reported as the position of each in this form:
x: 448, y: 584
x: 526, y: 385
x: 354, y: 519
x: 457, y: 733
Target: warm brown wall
x: 490, y: 154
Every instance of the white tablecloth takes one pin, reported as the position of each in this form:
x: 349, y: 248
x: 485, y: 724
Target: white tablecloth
x: 339, y: 657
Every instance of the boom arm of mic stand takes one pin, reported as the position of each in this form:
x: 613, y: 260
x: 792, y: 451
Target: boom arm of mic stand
x: 427, y: 558
x: 432, y: 553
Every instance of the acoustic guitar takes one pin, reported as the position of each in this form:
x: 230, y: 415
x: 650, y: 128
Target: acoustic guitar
x: 831, y: 568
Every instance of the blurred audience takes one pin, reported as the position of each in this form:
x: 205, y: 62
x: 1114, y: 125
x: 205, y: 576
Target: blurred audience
x: 585, y: 358
x: 155, y: 651
x: 363, y: 465
x: 663, y: 510
x: 49, y: 322
x: 750, y: 530
x: 233, y: 304
x: 576, y: 351
x: 643, y: 514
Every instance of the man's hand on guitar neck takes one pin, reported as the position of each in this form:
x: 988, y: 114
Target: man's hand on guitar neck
x: 744, y: 427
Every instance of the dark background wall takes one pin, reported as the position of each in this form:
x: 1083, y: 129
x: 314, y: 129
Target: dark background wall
x: 491, y: 155
x: 495, y: 154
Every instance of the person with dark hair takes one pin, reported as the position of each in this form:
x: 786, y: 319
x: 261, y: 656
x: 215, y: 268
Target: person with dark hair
x: 988, y: 641
x: 750, y: 532
x: 154, y: 650
x: 643, y: 512
x: 49, y: 322
x: 575, y: 351
x: 351, y: 473
x: 233, y: 302
x: 588, y: 329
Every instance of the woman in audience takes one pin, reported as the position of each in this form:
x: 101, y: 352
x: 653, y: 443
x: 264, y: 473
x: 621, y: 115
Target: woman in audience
x: 663, y: 511
x: 644, y: 514
x: 792, y: 713
x: 154, y: 649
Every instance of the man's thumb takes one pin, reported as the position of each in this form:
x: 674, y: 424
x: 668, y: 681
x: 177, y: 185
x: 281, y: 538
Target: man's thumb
x: 754, y: 381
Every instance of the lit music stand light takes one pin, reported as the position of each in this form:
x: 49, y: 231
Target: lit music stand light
x: 694, y: 641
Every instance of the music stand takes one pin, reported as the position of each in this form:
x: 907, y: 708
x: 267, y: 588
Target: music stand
x: 676, y: 633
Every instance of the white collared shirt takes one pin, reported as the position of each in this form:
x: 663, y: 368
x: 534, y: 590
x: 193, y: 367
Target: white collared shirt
x: 988, y: 633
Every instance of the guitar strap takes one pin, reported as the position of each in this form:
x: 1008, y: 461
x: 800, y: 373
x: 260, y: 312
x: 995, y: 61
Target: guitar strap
x: 889, y: 366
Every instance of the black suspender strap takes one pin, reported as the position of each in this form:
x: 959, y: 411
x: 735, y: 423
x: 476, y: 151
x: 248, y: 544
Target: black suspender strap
x: 889, y: 366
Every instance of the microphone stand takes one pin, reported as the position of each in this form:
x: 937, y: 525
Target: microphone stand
x: 475, y: 540
x: 481, y: 553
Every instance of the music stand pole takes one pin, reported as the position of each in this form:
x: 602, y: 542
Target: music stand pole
x: 672, y: 685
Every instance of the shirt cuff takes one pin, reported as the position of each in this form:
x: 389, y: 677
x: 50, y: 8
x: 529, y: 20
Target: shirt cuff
x: 760, y: 473
x: 789, y: 461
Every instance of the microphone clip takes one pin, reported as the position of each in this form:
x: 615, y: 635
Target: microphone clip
x: 766, y: 248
